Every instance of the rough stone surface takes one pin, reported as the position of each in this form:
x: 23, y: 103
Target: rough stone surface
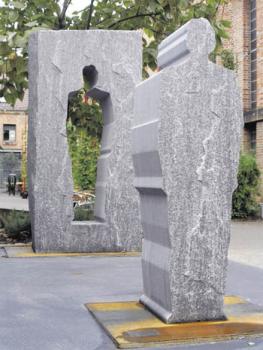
x: 186, y: 139
x: 56, y: 61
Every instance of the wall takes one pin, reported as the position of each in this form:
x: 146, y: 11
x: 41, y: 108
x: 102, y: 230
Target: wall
x: 20, y: 120
x: 238, y: 13
x: 260, y: 53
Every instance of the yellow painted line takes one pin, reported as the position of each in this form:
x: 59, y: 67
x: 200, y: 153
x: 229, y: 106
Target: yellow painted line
x: 232, y: 299
x: 129, y: 305
x: 113, y: 254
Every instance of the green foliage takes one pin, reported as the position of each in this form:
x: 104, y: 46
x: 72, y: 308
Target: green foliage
x: 17, y: 20
x: 226, y: 56
x: 83, y: 214
x: 84, y: 130
x: 85, y: 114
x: 228, y: 59
x: 84, y: 150
x: 16, y: 224
x: 157, y: 18
x: 244, y: 202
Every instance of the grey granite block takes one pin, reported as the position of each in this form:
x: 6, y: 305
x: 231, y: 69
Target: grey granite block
x: 186, y: 141
x: 56, y: 61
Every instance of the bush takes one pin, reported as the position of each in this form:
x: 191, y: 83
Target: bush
x: 83, y: 214
x: 228, y: 59
x: 84, y: 151
x: 244, y: 202
x: 16, y: 224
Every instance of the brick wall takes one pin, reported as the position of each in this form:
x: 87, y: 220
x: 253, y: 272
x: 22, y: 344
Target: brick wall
x: 245, y: 61
x: 259, y: 151
x: 237, y: 12
x: 245, y: 146
x: 260, y: 53
x: 20, y: 120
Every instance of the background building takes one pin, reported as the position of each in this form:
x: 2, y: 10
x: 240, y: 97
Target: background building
x: 13, y: 136
x: 246, y: 42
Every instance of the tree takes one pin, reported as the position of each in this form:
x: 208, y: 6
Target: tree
x: 157, y: 18
x: 85, y: 113
x: 17, y: 20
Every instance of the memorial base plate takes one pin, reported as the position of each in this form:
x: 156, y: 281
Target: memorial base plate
x: 131, y: 325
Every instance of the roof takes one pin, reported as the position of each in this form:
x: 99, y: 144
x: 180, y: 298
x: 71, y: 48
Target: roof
x: 19, y: 105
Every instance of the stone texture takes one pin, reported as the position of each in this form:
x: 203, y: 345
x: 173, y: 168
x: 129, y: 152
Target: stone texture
x: 186, y: 140
x: 56, y: 61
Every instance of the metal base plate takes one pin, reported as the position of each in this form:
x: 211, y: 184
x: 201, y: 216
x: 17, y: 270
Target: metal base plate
x: 131, y: 325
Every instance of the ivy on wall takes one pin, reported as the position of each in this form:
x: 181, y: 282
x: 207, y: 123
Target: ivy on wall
x: 84, y: 150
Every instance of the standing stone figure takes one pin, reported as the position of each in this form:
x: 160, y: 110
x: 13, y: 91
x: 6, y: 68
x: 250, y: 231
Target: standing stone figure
x: 186, y: 140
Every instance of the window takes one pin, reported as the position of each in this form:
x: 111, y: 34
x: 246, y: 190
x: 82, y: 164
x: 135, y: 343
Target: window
x: 9, y: 133
x: 253, y: 54
x: 252, y: 136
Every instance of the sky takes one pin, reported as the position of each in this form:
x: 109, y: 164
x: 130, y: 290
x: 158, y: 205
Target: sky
x: 76, y: 5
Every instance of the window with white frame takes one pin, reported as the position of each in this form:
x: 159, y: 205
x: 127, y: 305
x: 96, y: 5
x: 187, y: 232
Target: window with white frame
x: 9, y: 133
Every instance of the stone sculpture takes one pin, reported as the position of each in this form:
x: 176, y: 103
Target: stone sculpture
x: 186, y: 140
x: 56, y: 62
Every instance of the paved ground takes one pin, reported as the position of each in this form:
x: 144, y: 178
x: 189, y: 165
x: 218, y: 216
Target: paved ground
x: 41, y: 303
x: 247, y: 243
x: 246, y: 240
x: 12, y: 202
x: 42, y: 299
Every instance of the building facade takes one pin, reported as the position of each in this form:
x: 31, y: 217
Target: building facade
x: 246, y: 42
x: 13, y: 136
